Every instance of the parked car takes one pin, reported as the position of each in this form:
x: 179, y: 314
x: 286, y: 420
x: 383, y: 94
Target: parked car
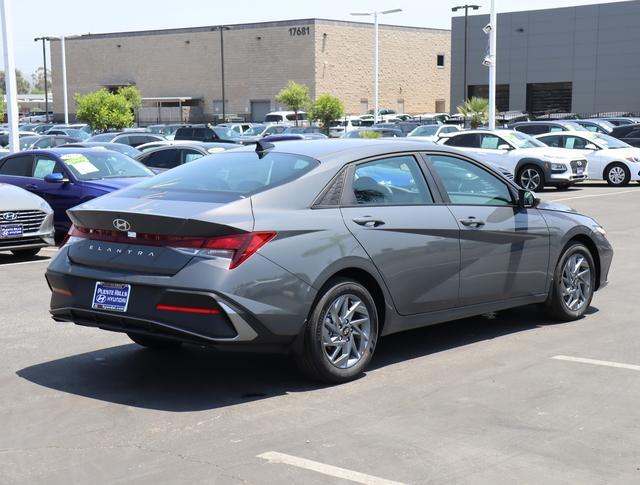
x: 534, y: 164
x: 349, y: 123
x: 4, y: 136
x: 42, y: 128
x: 232, y: 256
x: 622, y: 121
x: 256, y: 132
x: 609, y: 158
x: 27, y: 142
x: 432, y: 132
x: 383, y: 132
x: 66, y: 177
x: 52, y: 141
x: 540, y: 127
x: 133, y: 139
x: 240, y: 128
x: 206, y: 133
x: 628, y: 133
x: 37, y: 117
x: 597, y: 126
x: 116, y: 147
x: 26, y: 221
x: 167, y: 157
x: 168, y: 131
x: 74, y: 126
x: 287, y: 117
x: 72, y: 132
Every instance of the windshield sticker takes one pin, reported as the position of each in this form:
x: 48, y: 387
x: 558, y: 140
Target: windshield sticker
x: 80, y: 163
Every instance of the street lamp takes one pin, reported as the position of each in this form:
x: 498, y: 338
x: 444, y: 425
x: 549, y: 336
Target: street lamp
x: 222, y: 28
x: 46, y: 87
x: 466, y: 42
x: 62, y: 38
x: 375, y: 52
x: 10, y: 74
x: 493, y: 28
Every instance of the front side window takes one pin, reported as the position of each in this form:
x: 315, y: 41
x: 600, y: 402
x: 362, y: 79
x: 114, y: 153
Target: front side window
x: 553, y: 141
x: 575, y: 143
x: 489, y: 142
x: 44, y: 166
x: 391, y: 181
x: 191, y: 155
x: 468, y: 184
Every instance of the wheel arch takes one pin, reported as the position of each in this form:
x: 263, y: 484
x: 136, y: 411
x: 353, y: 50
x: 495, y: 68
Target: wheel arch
x: 523, y: 162
x: 593, y: 249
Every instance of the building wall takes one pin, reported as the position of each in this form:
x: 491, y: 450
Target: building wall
x: 407, y: 66
x: 592, y: 46
x: 259, y: 60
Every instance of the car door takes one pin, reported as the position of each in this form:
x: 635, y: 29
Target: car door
x: 596, y: 162
x: 504, y: 248
x: 60, y: 196
x: 412, y: 240
x: 16, y: 170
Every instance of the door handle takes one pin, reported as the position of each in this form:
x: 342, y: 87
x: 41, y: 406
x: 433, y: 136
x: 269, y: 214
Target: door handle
x: 32, y: 186
x: 368, y: 221
x: 472, y: 222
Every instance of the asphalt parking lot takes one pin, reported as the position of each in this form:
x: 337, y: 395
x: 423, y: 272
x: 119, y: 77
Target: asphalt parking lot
x: 515, y: 399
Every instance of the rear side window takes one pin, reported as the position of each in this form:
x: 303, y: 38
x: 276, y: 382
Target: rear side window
x: 184, y: 133
x: 17, y: 166
x: 532, y: 129
x: 223, y: 177
x: 468, y: 140
x: 163, y: 159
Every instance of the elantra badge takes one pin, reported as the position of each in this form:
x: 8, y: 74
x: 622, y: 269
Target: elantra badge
x: 9, y: 216
x: 121, y: 225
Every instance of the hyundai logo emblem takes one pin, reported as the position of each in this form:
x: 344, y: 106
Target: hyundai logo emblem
x: 9, y: 216
x: 579, y: 163
x: 121, y: 225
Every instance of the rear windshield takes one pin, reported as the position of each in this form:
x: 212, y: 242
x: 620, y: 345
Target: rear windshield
x: 223, y: 177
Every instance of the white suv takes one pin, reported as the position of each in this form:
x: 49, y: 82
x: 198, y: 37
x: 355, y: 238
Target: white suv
x: 534, y: 164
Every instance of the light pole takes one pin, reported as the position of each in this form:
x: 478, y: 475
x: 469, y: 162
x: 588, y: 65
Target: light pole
x: 46, y: 87
x: 375, y: 52
x: 222, y: 28
x: 466, y: 42
x: 63, y: 54
x: 10, y: 75
x: 492, y: 66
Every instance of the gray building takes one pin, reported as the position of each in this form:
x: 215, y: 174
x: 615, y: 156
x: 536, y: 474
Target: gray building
x: 578, y: 59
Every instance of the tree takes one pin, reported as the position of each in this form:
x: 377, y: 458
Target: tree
x: 295, y: 97
x: 131, y: 94
x: 103, y: 110
x: 326, y: 109
x: 2, y: 108
x: 22, y: 84
x: 370, y: 134
x: 476, y: 110
x: 37, y: 79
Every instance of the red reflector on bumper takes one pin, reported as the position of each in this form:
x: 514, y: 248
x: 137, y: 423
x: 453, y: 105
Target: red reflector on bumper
x: 186, y: 309
x: 61, y: 291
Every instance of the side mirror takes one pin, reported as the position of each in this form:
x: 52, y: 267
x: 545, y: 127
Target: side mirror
x: 55, y: 178
x: 504, y: 146
x: 527, y: 199
x: 590, y: 146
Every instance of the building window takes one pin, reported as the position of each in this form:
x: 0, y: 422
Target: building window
x: 364, y: 106
x: 440, y: 60
x: 440, y: 105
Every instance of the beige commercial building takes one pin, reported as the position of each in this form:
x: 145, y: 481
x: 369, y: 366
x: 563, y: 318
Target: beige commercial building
x: 178, y: 71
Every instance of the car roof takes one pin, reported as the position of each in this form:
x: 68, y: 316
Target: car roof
x: 61, y: 151
x: 584, y: 134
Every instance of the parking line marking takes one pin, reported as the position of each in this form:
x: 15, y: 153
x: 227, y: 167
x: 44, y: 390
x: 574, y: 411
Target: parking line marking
x: 627, y: 191
x: 2, y: 265
x: 332, y: 471
x: 604, y: 363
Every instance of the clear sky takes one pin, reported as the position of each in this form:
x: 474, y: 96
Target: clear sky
x: 34, y: 18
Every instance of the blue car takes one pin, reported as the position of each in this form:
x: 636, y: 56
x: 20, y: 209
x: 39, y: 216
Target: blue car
x: 66, y: 177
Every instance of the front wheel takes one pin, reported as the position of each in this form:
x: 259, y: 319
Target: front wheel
x: 341, y: 334
x: 573, y: 284
x: 617, y: 175
x: 26, y: 253
x: 531, y: 178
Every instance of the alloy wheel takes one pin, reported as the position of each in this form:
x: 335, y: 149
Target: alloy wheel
x: 617, y: 175
x: 576, y: 282
x: 530, y: 179
x: 346, y: 331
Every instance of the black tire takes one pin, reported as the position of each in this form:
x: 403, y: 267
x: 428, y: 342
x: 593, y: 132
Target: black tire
x: 156, y: 343
x: 556, y: 306
x: 312, y: 359
x: 26, y: 253
x: 616, y: 180
x: 526, y: 179
x: 563, y: 187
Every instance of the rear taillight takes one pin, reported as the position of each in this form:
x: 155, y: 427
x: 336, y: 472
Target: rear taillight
x: 236, y: 247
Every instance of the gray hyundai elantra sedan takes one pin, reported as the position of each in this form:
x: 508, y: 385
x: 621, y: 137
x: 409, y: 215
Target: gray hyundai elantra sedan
x: 319, y: 248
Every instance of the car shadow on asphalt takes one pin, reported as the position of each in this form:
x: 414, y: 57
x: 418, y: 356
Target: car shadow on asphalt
x: 11, y: 259
x: 197, y: 379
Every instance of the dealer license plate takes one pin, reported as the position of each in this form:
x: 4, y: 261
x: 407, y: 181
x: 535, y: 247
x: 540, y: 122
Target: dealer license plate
x: 111, y: 296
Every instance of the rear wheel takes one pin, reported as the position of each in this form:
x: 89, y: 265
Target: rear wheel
x: 563, y: 187
x: 573, y: 284
x: 26, y: 253
x: 617, y: 174
x: 341, y: 334
x: 154, y: 342
x: 531, y: 178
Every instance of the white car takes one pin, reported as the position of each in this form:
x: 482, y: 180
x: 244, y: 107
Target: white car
x: 609, y: 159
x: 26, y: 221
x: 432, y: 132
x: 533, y: 164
